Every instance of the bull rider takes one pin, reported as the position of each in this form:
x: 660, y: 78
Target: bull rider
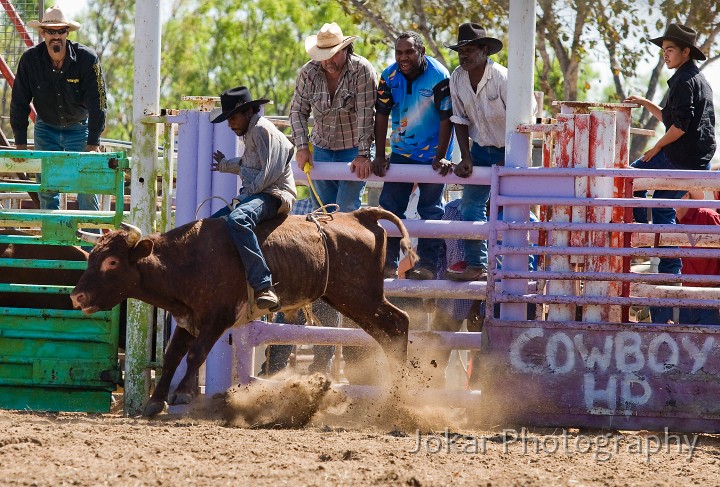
x: 268, y: 186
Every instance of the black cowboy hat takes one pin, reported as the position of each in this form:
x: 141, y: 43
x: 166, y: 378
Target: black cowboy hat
x: 232, y: 101
x: 472, y: 33
x: 685, y: 36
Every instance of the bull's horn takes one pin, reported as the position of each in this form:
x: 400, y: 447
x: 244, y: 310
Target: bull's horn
x: 134, y: 232
x: 88, y: 237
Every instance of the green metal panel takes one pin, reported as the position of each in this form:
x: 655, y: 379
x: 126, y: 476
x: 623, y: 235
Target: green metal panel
x: 59, y: 360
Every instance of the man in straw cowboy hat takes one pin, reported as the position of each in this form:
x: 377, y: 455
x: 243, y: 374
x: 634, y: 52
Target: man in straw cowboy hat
x: 338, y: 87
x: 64, y: 81
x: 479, y: 100
x: 689, y: 140
x: 268, y: 186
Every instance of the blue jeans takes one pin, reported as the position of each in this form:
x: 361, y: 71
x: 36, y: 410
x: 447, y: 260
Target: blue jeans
x: 395, y: 197
x: 241, y: 222
x: 62, y: 139
x: 346, y: 194
x: 473, y: 206
x: 667, y: 265
x: 699, y: 316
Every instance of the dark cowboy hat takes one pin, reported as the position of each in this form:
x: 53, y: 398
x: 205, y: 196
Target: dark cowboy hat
x: 685, y: 36
x: 232, y: 101
x: 472, y: 33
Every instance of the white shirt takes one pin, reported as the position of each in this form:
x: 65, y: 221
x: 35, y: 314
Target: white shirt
x: 482, y: 110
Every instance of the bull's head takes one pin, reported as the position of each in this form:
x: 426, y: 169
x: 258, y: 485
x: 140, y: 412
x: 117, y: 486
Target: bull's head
x: 112, y: 274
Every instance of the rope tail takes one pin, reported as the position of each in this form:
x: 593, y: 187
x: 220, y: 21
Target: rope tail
x: 380, y: 214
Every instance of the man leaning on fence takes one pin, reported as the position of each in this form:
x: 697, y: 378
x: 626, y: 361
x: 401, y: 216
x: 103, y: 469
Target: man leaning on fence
x: 478, y: 87
x: 415, y: 91
x: 64, y: 81
x: 338, y: 87
x: 689, y: 140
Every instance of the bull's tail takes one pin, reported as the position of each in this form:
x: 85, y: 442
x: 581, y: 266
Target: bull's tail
x: 381, y: 214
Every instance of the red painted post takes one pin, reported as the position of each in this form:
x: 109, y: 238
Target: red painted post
x: 563, y: 158
x: 22, y: 30
x: 627, y: 261
x: 601, y: 155
x: 623, y: 120
x: 17, y: 22
x: 581, y: 156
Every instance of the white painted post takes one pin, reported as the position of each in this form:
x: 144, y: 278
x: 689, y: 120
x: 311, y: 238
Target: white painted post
x: 518, y: 146
x: 600, y: 156
x: 146, y: 96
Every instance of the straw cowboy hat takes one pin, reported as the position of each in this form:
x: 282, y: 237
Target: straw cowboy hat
x: 328, y: 42
x: 54, y: 18
x: 232, y: 101
x: 683, y: 35
x: 471, y: 33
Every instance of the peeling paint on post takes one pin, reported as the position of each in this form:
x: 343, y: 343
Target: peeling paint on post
x: 601, y: 155
x: 581, y: 156
x: 559, y: 263
x: 623, y: 120
x: 146, y: 95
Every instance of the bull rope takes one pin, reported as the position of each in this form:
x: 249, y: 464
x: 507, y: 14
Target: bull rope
x: 307, y: 170
x: 316, y: 216
x: 211, y: 198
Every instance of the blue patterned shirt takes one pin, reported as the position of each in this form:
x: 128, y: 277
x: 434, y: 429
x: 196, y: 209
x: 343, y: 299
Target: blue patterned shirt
x: 417, y: 107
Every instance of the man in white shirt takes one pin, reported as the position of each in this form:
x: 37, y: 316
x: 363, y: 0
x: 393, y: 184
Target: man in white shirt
x: 478, y: 88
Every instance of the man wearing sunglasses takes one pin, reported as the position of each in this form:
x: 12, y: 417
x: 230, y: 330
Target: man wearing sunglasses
x: 64, y: 81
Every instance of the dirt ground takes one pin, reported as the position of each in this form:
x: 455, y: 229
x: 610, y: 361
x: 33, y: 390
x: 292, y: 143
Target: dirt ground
x: 240, y: 440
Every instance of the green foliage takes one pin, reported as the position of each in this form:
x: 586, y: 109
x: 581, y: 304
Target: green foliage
x: 108, y: 28
x: 212, y: 45
x: 216, y: 45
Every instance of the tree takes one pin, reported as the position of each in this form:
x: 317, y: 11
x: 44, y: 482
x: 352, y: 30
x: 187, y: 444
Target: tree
x: 108, y: 28
x: 435, y: 20
x: 565, y: 38
x: 259, y: 44
x: 624, y: 28
x: 209, y: 46
x: 571, y: 35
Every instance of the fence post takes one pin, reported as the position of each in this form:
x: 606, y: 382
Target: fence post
x: 146, y: 92
x: 518, y: 146
x: 601, y: 155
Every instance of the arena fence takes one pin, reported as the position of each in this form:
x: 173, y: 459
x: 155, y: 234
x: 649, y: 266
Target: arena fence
x: 578, y: 360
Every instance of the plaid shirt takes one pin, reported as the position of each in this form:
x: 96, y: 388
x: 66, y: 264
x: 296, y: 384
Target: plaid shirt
x: 346, y: 120
x: 302, y: 207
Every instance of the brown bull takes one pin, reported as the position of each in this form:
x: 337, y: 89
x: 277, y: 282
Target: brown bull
x: 195, y: 273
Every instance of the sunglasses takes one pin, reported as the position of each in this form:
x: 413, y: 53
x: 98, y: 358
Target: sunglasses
x: 53, y: 32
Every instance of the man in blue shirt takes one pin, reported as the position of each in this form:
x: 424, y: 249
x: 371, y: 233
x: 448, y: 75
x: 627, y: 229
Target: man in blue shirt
x: 415, y: 90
